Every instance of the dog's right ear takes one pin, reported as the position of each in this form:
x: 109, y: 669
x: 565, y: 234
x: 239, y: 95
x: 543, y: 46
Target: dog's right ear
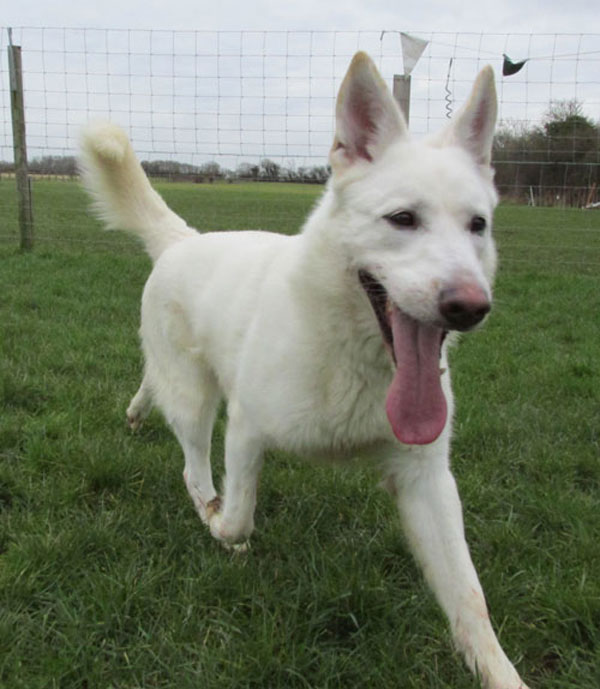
x: 473, y: 127
x: 367, y: 116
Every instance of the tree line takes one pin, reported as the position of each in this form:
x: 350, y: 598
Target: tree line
x: 554, y: 163
x: 266, y: 170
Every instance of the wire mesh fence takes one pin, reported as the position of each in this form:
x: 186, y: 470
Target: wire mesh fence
x: 232, y: 99
x: 204, y: 106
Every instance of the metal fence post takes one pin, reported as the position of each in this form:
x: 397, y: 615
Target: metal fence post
x: 20, y: 145
x: 402, y: 93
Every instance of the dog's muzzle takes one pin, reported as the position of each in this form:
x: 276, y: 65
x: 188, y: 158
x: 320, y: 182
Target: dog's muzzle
x: 464, y: 306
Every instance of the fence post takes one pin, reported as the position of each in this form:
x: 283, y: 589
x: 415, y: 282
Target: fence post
x: 402, y: 93
x: 20, y: 145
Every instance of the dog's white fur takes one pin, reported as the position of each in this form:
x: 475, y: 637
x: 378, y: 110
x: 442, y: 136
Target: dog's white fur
x: 283, y: 330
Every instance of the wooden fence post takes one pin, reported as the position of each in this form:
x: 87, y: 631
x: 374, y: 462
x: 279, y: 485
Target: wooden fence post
x: 20, y: 145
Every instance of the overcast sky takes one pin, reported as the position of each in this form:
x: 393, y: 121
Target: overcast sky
x: 258, y: 99
x: 487, y: 16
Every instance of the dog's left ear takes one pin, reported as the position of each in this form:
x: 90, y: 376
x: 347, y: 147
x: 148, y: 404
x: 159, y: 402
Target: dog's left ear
x: 474, y: 124
x: 367, y: 116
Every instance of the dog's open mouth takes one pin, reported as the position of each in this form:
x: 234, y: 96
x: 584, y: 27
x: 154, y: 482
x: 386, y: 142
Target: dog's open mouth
x: 415, y: 405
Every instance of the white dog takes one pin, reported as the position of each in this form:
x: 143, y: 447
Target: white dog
x: 331, y: 342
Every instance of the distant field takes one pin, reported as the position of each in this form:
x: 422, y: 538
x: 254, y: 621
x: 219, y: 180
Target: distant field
x: 107, y: 577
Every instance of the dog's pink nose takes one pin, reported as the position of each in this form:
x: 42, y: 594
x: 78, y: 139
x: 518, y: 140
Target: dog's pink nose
x: 463, y: 306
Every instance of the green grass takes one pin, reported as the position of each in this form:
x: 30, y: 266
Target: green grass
x: 108, y: 579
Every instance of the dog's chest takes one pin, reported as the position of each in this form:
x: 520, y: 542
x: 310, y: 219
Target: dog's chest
x: 334, y: 399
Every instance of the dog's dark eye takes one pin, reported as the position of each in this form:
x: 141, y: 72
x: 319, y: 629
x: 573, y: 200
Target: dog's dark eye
x: 478, y: 225
x: 404, y: 219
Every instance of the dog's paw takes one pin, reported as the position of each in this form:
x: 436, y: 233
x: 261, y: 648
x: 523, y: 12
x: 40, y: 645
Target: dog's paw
x: 134, y: 421
x: 213, y: 507
x: 231, y: 539
x: 509, y: 680
x: 139, y: 408
x: 215, y: 522
x: 204, y: 508
x: 520, y: 685
x: 236, y: 548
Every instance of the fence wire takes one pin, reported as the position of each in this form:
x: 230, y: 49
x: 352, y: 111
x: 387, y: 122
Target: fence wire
x: 232, y: 99
x: 259, y: 105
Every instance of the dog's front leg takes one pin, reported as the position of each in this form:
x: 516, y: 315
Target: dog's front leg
x: 233, y: 520
x: 430, y: 508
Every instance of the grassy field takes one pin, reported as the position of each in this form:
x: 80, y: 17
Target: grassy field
x: 107, y: 578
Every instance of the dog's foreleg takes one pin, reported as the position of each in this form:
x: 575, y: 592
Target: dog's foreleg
x: 194, y: 439
x: 233, y: 522
x: 191, y: 413
x: 430, y: 508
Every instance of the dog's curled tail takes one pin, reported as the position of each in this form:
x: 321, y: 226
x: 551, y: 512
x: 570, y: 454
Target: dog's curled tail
x: 123, y: 196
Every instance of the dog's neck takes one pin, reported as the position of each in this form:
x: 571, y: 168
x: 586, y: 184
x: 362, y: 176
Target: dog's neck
x: 324, y: 280
x: 321, y: 254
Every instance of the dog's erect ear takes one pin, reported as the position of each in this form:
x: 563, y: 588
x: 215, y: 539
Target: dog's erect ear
x: 367, y: 116
x: 474, y: 124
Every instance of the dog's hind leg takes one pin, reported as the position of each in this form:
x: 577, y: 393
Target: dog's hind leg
x: 431, y: 512
x: 233, y: 520
x: 140, y: 405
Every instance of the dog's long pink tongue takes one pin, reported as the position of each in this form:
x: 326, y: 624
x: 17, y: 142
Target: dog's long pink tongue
x: 416, y: 405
